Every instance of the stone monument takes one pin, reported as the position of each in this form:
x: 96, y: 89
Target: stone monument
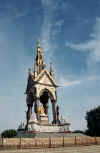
x: 41, y: 87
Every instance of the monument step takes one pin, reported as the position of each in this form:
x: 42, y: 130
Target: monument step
x: 47, y: 135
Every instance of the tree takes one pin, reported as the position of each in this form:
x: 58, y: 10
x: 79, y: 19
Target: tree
x: 9, y: 133
x: 93, y: 122
x: 78, y: 131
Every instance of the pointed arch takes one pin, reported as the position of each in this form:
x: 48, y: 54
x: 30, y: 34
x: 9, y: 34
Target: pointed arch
x: 48, y: 92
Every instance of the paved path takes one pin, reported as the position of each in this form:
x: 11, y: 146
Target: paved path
x: 83, y: 149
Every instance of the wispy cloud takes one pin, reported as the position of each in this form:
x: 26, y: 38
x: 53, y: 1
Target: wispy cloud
x: 92, y: 45
x: 51, y: 26
x: 87, y: 46
x: 46, y: 26
x: 57, y: 28
x: 67, y: 82
x: 19, y: 14
x: 59, y: 23
x: 12, y: 11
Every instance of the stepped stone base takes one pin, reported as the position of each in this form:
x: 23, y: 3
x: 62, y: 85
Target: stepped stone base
x: 25, y: 134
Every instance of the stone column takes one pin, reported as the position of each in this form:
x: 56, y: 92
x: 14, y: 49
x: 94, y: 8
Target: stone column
x: 54, y: 112
x: 36, y: 107
x: 46, y: 108
x: 29, y: 101
x: 57, y: 109
x: 29, y: 113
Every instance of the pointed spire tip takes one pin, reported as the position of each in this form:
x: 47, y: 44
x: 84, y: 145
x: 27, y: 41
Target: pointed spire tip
x: 38, y: 42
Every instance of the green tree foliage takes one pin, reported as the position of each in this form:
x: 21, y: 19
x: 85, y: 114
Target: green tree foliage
x: 9, y: 133
x: 78, y: 131
x: 93, y: 122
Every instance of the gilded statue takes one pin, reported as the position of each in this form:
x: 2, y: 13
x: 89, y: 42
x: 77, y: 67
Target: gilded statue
x: 41, y: 110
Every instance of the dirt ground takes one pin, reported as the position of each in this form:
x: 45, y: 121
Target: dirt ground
x: 82, y: 149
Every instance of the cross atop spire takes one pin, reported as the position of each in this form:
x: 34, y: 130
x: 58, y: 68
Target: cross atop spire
x: 39, y: 42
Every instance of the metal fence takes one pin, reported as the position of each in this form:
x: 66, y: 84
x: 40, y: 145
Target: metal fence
x: 27, y: 143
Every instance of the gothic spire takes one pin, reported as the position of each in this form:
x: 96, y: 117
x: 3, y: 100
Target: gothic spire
x: 39, y: 63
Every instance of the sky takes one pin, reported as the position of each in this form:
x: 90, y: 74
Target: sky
x: 69, y: 32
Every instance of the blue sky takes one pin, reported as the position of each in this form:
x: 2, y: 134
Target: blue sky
x: 69, y: 31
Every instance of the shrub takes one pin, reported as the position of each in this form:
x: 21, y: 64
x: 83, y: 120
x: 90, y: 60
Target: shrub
x: 10, y: 133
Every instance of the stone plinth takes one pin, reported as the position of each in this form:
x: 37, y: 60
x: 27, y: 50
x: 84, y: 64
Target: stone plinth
x: 43, y: 119
x: 36, y: 127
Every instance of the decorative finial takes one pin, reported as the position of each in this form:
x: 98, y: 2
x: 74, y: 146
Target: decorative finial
x: 29, y: 71
x: 35, y: 70
x: 51, y: 69
x: 38, y: 42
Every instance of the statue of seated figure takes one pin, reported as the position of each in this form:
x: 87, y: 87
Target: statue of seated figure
x: 41, y: 110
